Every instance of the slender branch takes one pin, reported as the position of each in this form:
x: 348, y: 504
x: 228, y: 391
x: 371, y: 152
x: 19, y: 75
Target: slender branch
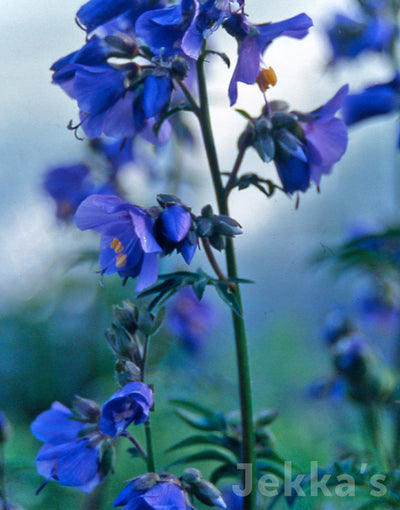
x: 213, y: 261
x: 189, y: 97
x: 135, y: 443
x: 248, y: 454
x: 243, y: 146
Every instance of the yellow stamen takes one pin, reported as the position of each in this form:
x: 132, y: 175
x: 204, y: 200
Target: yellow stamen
x: 266, y: 78
x: 116, y: 245
x: 121, y: 260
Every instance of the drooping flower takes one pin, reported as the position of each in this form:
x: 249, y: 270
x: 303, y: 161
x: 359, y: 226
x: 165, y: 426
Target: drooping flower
x: 78, y: 447
x: 253, y: 40
x: 152, y: 492
x: 303, y: 146
x: 376, y: 100
x: 128, y: 245
x: 130, y: 404
x: 349, y: 38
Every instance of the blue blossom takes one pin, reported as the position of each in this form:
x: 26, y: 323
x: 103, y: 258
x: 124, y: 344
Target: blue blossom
x: 68, y: 186
x: 130, y: 404
x: 95, y: 13
x: 349, y: 355
x: 378, y: 308
x: 173, y: 228
x: 349, y: 38
x: 232, y: 499
x: 164, y: 493
x: 128, y: 245
x: 376, y: 100
x: 253, y: 40
x: 190, y: 320
x: 302, y: 157
x: 337, y: 325
x: 164, y: 29
x: 119, y: 152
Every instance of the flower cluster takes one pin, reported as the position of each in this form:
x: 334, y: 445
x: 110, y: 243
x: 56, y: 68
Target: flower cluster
x: 133, y: 237
x: 78, y: 446
x: 303, y: 146
x: 126, y: 76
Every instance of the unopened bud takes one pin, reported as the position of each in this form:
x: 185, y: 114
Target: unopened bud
x: 86, y: 410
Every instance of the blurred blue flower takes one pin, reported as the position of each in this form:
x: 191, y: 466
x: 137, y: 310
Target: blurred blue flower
x: 349, y: 355
x: 95, y: 13
x: 304, y: 157
x: 337, y: 324
x: 349, y: 38
x: 377, y: 308
x: 190, y: 320
x: 119, y: 152
x: 232, y: 500
x: 128, y: 245
x: 130, y: 404
x: 253, y: 40
x: 152, y: 493
x: 333, y: 389
x: 376, y: 100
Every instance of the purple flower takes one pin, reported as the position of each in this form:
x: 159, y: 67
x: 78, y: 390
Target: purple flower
x: 190, y: 320
x: 162, y: 493
x: 118, y: 152
x: 304, y: 157
x: 349, y: 38
x: 253, y: 40
x: 376, y: 100
x: 128, y: 245
x: 130, y: 404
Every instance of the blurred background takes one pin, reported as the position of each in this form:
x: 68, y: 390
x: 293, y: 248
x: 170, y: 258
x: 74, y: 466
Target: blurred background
x: 54, y: 312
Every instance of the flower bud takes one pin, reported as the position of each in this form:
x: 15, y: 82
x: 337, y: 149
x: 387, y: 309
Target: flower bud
x: 208, y: 494
x: 146, y: 482
x: 179, y: 68
x: 86, y: 410
x: 126, y: 315
x: 126, y: 372
x: 266, y: 417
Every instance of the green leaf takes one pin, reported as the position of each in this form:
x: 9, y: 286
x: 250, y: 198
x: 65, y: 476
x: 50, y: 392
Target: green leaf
x: 244, y: 114
x: 206, y: 455
x: 270, y: 467
x: 228, y: 296
x: 209, y: 439
x: 223, y: 56
x: 199, y: 417
x: 224, y: 471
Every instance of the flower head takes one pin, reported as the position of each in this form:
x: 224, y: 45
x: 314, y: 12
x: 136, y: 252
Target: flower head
x: 349, y: 38
x: 151, y: 492
x: 253, y: 40
x: 128, y: 246
x: 130, y: 404
x: 376, y: 100
x: 190, y: 320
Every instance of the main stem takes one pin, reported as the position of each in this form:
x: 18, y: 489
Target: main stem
x: 150, y: 459
x: 248, y: 455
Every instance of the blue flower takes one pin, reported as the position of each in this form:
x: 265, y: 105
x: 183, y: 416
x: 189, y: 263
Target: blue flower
x: 376, y: 100
x: 118, y: 152
x: 130, y: 404
x: 95, y: 13
x: 67, y: 457
x: 337, y: 325
x: 304, y: 157
x: 349, y: 38
x: 164, y: 493
x: 68, y: 186
x: 173, y: 228
x: 128, y: 245
x: 164, y: 29
x: 76, y: 464
x: 190, y: 320
x: 253, y: 40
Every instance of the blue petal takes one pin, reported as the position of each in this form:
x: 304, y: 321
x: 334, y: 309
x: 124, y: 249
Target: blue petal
x: 55, y: 426
x: 156, y: 95
x: 373, y: 101
x: 176, y: 221
x: 97, y: 12
x: 294, y: 174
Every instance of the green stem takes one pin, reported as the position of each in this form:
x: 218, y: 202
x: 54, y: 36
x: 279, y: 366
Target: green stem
x: 151, y: 464
x: 372, y: 430
x: 3, y: 497
x: 248, y: 455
